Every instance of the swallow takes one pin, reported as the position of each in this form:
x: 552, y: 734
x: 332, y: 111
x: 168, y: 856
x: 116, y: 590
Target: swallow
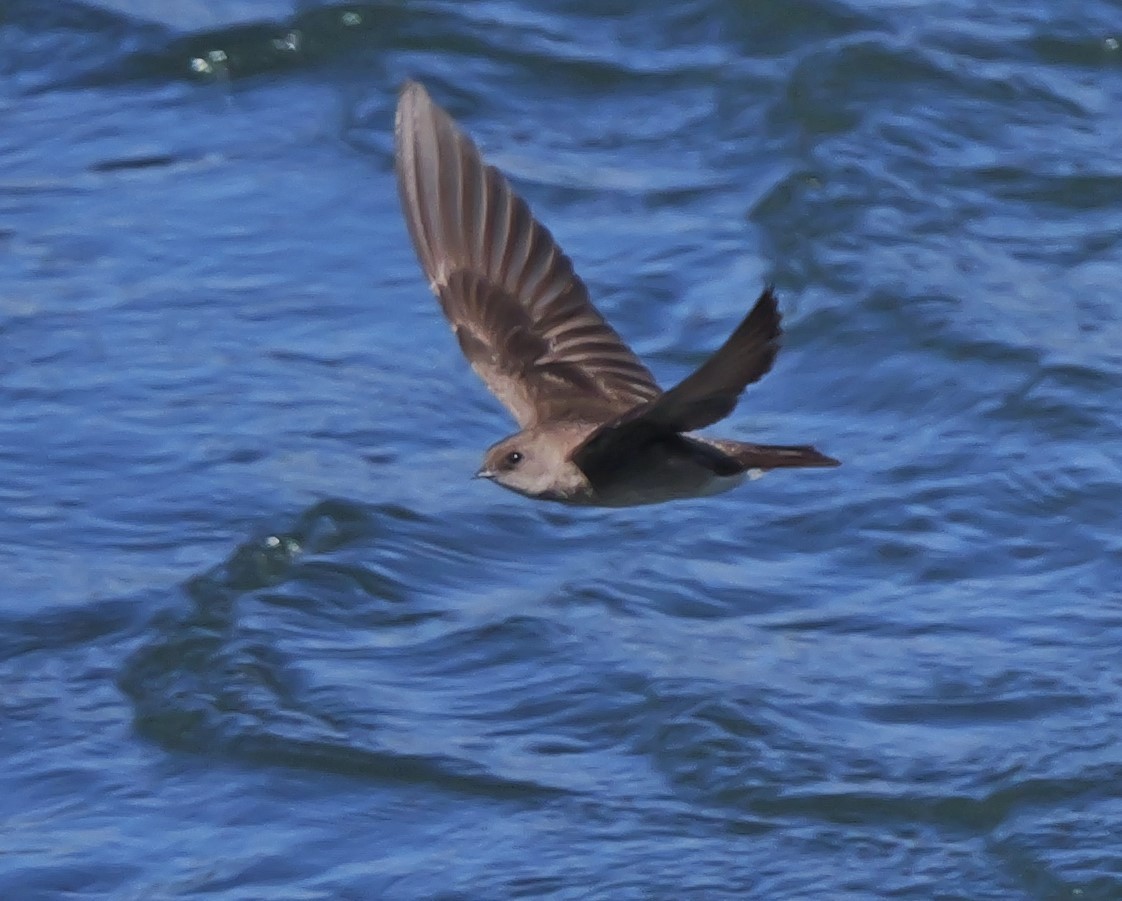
x: 595, y: 427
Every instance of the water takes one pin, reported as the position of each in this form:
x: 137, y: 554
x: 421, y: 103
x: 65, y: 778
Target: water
x: 263, y: 638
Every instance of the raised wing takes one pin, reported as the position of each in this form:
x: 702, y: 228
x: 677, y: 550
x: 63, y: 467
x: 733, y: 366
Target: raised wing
x: 709, y: 394
x: 522, y: 316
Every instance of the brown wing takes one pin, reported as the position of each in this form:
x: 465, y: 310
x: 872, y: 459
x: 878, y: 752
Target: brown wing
x: 709, y: 394
x: 522, y: 316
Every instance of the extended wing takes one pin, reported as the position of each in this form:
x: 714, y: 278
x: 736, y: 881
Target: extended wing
x: 522, y: 316
x: 709, y: 394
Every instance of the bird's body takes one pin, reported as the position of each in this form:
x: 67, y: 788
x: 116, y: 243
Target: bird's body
x: 673, y: 468
x: 669, y: 470
x: 596, y: 429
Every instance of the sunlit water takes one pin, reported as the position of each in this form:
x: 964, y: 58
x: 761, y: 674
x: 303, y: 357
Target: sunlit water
x: 263, y: 638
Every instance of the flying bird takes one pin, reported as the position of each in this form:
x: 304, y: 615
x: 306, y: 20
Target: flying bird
x: 595, y: 428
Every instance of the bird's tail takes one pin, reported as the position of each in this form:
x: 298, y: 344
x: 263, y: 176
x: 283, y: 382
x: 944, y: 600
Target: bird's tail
x: 773, y: 456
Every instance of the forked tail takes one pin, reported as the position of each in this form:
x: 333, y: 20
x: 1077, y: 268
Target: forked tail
x: 773, y: 456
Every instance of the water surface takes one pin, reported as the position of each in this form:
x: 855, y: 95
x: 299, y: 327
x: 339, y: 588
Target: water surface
x: 263, y: 638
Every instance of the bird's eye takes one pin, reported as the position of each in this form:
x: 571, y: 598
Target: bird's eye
x: 513, y: 458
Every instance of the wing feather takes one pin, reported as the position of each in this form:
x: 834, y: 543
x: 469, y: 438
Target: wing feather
x: 705, y: 396
x: 523, y: 317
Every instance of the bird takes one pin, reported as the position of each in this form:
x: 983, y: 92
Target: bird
x: 595, y: 428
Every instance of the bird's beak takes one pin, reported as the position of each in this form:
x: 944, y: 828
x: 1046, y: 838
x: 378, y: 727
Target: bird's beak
x: 484, y: 474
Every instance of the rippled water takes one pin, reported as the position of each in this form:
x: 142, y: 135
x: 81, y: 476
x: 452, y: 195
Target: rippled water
x: 263, y: 638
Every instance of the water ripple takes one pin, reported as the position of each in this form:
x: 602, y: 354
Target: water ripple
x: 896, y: 678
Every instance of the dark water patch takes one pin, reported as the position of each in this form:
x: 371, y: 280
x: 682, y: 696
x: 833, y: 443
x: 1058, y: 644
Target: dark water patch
x: 865, y: 59
x: 103, y: 47
x: 308, y: 39
x: 724, y: 751
x: 254, y: 669
x: 51, y: 45
x: 772, y: 29
x: 1066, y: 851
x: 55, y: 631
x: 1082, y: 191
x: 131, y: 164
x: 1086, y: 45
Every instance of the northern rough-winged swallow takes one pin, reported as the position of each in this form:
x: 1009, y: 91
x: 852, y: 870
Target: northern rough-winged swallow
x: 596, y: 428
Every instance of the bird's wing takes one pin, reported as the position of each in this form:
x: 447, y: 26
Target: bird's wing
x: 709, y: 394
x: 522, y: 316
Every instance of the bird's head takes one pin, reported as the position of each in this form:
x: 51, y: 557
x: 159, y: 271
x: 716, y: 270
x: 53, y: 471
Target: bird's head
x: 533, y: 465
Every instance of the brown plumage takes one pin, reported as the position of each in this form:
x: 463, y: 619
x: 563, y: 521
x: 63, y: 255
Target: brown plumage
x: 597, y: 429
x: 522, y: 316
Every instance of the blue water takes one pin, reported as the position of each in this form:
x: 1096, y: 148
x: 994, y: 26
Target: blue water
x: 261, y: 637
